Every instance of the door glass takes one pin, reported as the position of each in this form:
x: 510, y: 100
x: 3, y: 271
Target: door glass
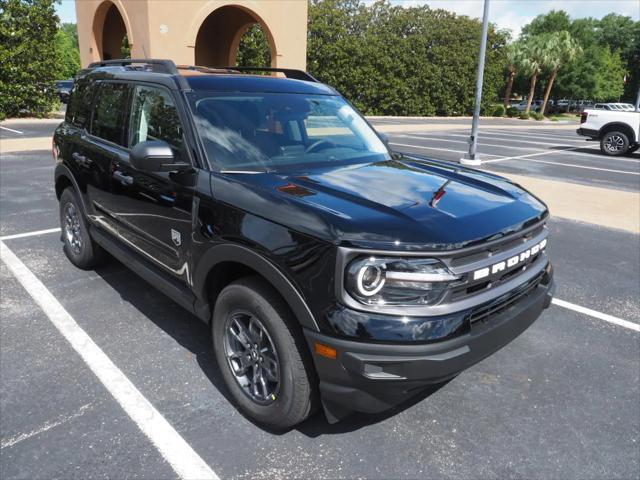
x: 154, y: 117
x: 108, y: 116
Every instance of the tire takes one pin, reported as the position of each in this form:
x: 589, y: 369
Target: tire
x: 293, y: 397
x: 614, y: 143
x: 79, y: 247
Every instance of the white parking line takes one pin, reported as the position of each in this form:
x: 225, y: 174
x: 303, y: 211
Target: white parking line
x: 625, y: 172
x: 593, y: 313
x: 175, y: 450
x: 11, y: 130
x: 481, y: 143
x: 29, y: 234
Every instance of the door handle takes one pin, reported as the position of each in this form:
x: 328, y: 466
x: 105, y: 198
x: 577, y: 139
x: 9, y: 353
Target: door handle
x: 124, y: 179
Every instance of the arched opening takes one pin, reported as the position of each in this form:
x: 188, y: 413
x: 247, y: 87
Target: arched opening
x: 225, y: 30
x: 110, y: 32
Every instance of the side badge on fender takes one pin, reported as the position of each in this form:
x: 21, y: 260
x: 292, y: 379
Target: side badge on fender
x: 176, y: 238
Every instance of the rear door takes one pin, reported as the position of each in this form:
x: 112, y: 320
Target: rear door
x: 103, y: 146
x: 153, y: 209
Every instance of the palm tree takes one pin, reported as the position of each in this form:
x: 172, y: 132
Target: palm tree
x: 534, y: 59
x: 561, y: 48
x: 515, y: 54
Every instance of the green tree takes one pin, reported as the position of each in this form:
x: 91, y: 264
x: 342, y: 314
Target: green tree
x: 28, y: 57
x: 515, y: 55
x: 67, y: 50
x: 532, y: 63
x: 254, y: 48
x: 393, y: 60
x: 554, y: 21
x: 560, y: 49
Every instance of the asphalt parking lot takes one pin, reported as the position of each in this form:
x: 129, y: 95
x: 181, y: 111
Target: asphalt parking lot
x: 541, y: 151
x: 561, y: 401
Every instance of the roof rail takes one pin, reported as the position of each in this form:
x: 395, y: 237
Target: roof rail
x: 159, y: 66
x: 288, y: 72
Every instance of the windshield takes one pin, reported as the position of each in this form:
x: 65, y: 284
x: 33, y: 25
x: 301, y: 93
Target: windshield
x: 272, y: 131
x: 65, y: 84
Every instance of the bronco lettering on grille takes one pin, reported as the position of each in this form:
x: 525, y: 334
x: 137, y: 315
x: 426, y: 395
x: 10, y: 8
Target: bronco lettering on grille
x: 510, y: 262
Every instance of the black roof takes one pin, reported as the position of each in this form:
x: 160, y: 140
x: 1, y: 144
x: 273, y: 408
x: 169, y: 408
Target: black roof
x: 226, y: 79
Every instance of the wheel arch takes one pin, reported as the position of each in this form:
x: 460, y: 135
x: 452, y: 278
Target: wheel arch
x: 620, y: 127
x: 223, y: 264
x: 63, y: 179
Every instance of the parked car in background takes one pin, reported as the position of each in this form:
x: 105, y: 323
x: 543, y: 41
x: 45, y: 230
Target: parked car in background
x: 604, y: 106
x: 617, y: 130
x: 627, y: 107
x: 63, y: 89
x: 536, y: 105
x: 582, y: 105
x: 562, y: 106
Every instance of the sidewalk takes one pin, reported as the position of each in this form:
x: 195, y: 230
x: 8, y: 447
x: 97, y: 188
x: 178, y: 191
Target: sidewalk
x: 600, y: 206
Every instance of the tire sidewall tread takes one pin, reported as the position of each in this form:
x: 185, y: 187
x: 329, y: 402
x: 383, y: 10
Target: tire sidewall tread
x: 296, y: 399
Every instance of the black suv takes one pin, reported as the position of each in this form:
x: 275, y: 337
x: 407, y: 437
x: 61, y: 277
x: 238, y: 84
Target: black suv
x: 332, y: 270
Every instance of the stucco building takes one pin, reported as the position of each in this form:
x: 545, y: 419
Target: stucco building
x: 192, y: 32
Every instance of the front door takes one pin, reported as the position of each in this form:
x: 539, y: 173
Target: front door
x: 153, y: 209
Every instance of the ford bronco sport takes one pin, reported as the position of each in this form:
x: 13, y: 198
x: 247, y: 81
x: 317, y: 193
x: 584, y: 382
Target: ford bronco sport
x: 333, y: 272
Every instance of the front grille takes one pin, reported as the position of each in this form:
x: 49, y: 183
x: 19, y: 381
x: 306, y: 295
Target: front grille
x: 483, y: 313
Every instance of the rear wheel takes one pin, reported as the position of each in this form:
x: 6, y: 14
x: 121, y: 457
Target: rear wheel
x: 262, y: 355
x: 79, y: 247
x: 614, y: 143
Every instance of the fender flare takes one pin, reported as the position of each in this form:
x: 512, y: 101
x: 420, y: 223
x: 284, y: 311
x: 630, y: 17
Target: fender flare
x: 619, y: 125
x: 63, y: 171
x: 239, y: 254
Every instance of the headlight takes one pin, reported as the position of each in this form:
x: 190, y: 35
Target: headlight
x: 397, y: 281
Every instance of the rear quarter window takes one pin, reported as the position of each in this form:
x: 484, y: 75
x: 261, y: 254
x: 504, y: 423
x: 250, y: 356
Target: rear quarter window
x: 79, y: 107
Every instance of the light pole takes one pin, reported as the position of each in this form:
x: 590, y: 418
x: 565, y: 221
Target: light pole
x: 472, y: 157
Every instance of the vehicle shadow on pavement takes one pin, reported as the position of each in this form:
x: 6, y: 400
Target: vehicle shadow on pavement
x: 195, y: 336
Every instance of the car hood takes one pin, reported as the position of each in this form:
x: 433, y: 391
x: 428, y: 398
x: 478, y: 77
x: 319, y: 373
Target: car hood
x: 407, y: 203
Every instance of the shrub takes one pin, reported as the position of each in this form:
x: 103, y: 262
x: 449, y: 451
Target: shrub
x: 28, y: 57
x: 524, y: 116
x: 498, y: 111
x: 538, y: 116
x: 512, y: 112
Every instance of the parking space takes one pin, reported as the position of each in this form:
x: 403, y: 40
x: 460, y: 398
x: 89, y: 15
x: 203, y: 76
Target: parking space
x: 561, y: 401
x: 557, y: 154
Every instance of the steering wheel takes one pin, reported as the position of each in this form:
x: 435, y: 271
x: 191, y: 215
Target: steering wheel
x: 314, y: 146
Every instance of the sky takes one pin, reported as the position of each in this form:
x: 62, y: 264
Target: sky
x: 510, y: 14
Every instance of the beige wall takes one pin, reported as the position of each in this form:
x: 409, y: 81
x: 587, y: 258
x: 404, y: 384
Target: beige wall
x: 169, y: 29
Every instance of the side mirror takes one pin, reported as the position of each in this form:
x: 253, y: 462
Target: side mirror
x: 155, y: 156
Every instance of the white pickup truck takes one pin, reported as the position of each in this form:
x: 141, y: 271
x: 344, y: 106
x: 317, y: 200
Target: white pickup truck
x: 618, y: 131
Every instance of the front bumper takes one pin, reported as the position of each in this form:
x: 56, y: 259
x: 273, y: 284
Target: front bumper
x: 373, y: 377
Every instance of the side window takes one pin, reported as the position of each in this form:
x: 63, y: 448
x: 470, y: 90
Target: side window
x: 154, y: 117
x: 109, y: 112
x: 79, y: 107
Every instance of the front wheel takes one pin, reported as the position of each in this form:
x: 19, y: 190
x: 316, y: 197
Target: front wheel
x: 262, y: 355
x: 614, y: 143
